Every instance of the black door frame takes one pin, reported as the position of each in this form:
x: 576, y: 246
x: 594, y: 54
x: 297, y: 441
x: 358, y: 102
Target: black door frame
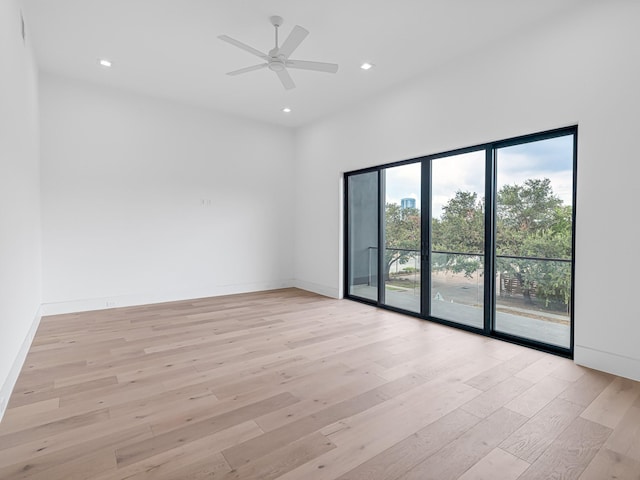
x: 489, y: 244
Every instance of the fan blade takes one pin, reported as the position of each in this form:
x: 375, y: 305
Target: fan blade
x: 285, y: 78
x: 317, y: 66
x: 295, y: 38
x: 244, y: 47
x: 248, y: 69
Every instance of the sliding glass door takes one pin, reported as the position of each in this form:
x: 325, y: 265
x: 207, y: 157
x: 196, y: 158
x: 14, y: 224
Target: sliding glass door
x: 481, y: 238
x: 457, y: 238
x: 362, y: 235
x: 402, y: 236
x: 534, y: 238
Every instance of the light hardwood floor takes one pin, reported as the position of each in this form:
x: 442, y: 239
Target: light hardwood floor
x: 291, y: 385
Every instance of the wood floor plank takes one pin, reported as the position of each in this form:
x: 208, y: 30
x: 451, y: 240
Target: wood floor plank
x: 401, y: 415
x: 111, y: 395
x: 40, y: 456
x: 329, y: 391
x: 533, y: 438
x: 257, y: 381
x: 154, y: 409
x: 406, y: 454
x: 243, y: 453
x: 79, y: 467
x: 442, y: 360
x: 233, y: 368
x: 625, y: 439
x: 610, y: 465
x: 194, y: 431
x: 534, y: 399
x: 290, y: 385
x: 540, y: 369
x: 497, y: 463
x: 32, y: 396
x: 568, y: 371
x: 36, y: 376
x: 502, y: 350
x: 283, y: 459
x: 570, y: 454
x: 185, y: 465
x: 494, y: 376
x: 493, y: 399
x: 193, y: 411
x: 450, y: 462
x: 197, y: 459
x: 584, y: 390
x: 53, y: 428
x: 360, y: 443
x: 20, y: 415
x: 612, y: 404
x: 13, y: 422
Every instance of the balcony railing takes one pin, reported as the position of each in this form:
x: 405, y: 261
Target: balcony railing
x: 543, y: 282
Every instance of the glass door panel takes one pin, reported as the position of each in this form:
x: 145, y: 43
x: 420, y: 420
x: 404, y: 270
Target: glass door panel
x: 534, y: 227
x: 507, y: 207
x: 402, y: 275
x: 362, y: 235
x: 457, y: 238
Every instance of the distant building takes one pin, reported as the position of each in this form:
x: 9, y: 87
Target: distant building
x: 408, y: 203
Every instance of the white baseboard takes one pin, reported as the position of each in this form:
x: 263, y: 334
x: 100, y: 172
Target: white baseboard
x: 317, y: 288
x: 102, y: 303
x: 607, y: 362
x: 10, y: 382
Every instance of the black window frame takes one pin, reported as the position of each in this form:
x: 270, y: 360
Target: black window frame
x: 490, y: 149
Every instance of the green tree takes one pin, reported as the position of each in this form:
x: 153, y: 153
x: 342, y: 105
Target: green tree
x: 402, y: 235
x: 524, y: 210
x: 461, y: 229
x: 530, y: 222
x: 533, y: 222
x: 462, y: 225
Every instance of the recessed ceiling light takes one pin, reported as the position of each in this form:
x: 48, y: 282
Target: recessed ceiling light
x: 104, y: 62
x: 286, y: 110
x: 366, y: 66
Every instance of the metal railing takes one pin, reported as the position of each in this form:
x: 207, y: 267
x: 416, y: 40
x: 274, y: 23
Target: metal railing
x: 509, y: 283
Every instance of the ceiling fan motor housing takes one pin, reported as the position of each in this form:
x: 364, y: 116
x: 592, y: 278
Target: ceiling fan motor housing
x: 276, y: 65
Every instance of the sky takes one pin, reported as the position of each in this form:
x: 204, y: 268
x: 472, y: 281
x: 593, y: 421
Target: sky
x: 551, y: 158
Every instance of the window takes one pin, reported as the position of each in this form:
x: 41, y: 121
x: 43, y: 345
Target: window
x: 401, y: 236
x: 362, y: 235
x: 480, y: 238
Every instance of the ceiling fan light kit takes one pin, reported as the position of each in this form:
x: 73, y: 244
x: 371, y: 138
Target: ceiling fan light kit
x: 277, y: 60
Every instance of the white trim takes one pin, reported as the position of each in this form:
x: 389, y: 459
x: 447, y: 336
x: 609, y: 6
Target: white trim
x: 325, y: 290
x: 102, y: 303
x: 16, y: 368
x: 607, y: 362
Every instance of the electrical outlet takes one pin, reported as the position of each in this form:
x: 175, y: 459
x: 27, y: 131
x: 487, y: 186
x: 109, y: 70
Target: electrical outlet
x: 110, y: 303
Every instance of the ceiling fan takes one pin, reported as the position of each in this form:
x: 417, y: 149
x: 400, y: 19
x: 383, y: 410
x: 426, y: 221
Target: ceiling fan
x: 277, y: 60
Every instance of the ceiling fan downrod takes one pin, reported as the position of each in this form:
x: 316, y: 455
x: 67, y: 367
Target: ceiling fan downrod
x: 276, y: 21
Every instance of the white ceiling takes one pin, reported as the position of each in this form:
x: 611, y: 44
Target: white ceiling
x: 169, y: 48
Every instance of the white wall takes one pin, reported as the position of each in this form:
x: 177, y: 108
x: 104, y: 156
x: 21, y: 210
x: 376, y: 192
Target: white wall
x: 20, y: 277
x: 124, y: 178
x: 579, y: 69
